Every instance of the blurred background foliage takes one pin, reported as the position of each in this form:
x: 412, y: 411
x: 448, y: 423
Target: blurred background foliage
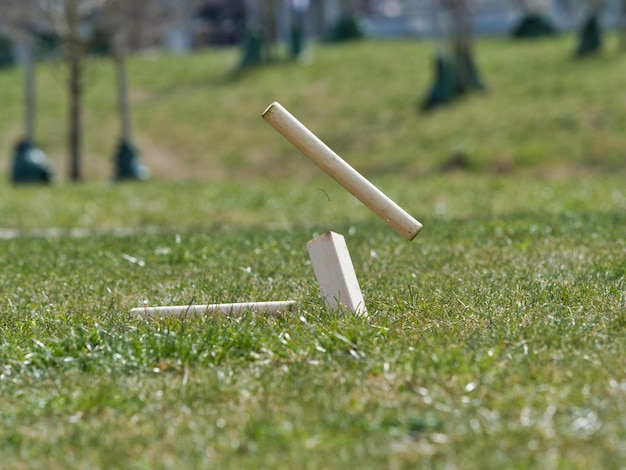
x: 190, y: 79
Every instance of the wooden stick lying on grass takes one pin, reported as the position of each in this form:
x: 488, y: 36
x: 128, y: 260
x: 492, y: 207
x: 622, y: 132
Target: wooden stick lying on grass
x: 316, y: 150
x: 274, y: 308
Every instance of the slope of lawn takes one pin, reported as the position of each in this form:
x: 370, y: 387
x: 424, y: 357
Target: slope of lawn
x: 195, y: 118
x: 496, y: 339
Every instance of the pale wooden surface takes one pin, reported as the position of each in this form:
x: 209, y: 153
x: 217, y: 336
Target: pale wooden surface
x: 316, y: 150
x: 335, y: 273
x: 223, y: 309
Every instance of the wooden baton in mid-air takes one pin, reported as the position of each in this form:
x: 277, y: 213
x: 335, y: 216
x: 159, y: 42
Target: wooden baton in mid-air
x: 324, y: 157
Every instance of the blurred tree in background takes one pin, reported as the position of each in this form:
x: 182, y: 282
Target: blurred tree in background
x: 262, y: 42
x: 622, y: 25
x: 260, y: 39
x: 535, y: 23
x: 455, y: 70
x: 6, y: 52
x: 347, y: 27
x: 72, y: 22
x: 74, y: 29
x: 119, y: 19
x: 29, y: 163
x: 78, y: 28
x: 590, y: 34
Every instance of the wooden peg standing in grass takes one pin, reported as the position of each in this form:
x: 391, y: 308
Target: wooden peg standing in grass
x: 335, y: 273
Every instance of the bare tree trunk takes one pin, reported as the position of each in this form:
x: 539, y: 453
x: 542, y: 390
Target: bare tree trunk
x: 75, y: 123
x: 270, y: 29
x: 319, y: 17
x: 455, y: 70
x: 461, y: 37
x: 594, y: 7
x: 462, y: 25
x: 254, y: 15
x: 622, y: 26
x: 122, y: 90
x: 297, y: 35
x: 590, y: 34
x: 347, y: 7
x: 119, y: 58
x: 74, y: 50
x: 120, y: 21
x: 29, y: 90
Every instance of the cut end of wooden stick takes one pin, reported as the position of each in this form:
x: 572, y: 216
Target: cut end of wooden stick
x: 415, y: 231
x: 273, y: 308
x: 269, y: 108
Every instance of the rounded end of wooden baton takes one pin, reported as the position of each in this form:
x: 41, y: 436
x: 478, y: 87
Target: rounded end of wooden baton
x: 415, y: 230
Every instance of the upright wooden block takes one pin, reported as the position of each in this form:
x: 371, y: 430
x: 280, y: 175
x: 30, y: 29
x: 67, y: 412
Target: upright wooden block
x: 335, y: 273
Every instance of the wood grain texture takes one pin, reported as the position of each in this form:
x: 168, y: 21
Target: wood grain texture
x: 335, y: 273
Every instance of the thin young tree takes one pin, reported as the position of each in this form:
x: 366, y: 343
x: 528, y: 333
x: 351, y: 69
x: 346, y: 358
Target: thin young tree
x: 318, y: 13
x: 119, y: 19
x: 590, y: 34
x: 265, y: 21
x: 29, y: 162
x: 461, y: 39
x: 72, y: 22
x: 622, y: 26
x: 18, y: 17
x: 77, y: 22
x: 262, y: 38
x: 298, y: 11
x: 455, y: 69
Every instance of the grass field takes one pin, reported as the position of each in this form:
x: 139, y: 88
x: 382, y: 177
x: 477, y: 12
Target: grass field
x: 496, y: 339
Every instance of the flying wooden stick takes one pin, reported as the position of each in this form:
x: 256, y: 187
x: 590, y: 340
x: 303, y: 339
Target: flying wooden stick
x: 316, y: 150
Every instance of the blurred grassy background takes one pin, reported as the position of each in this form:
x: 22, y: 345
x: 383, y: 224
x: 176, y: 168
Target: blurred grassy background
x: 543, y: 112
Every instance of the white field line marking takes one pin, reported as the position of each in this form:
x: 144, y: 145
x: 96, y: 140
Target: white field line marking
x: 54, y: 232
